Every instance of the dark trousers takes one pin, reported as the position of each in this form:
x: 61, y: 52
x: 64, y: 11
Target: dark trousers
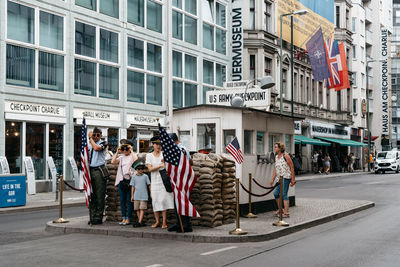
x: 97, y: 199
x: 186, y: 221
x: 125, y: 202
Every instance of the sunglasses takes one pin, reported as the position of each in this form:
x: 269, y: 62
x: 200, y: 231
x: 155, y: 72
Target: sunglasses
x: 124, y: 148
x: 140, y: 168
x: 96, y: 135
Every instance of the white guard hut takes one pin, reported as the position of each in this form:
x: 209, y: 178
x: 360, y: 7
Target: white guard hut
x: 214, y: 126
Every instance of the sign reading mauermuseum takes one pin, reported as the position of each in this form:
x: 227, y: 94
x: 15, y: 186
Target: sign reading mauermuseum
x: 329, y: 130
x: 142, y: 119
x: 254, y: 97
x: 237, y: 40
x: 34, y: 109
x: 385, y: 81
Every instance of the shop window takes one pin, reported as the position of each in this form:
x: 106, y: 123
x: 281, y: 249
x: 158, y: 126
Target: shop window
x: 51, y: 72
x: 108, y: 82
x: 228, y: 137
x: 154, y: 16
x: 273, y: 138
x: 20, y: 22
x: 260, y: 143
x: 135, y: 53
x: 110, y: 7
x: 13, y: 147
x: 154, y: 90
x: 20, y: 66
x: 112, y: 139
x: 35, y: 148
x: 135, y: 86
x: 85, y: 39
x: 108, y: 46
x: 248, y: 142
x: 85, y: 77
x: 177, y: 19
x: 206, y: 136
x: 136, y: 12
x: 132, y: 136
x: 56, y: 141
x: 51, y: 30
x: 154, y: 58
x: 184, y: 138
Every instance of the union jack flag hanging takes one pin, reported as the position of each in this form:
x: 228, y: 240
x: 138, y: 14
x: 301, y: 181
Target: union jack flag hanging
x: 334, y: 63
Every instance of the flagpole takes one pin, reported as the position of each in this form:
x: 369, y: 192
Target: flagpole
x: 180, y: 222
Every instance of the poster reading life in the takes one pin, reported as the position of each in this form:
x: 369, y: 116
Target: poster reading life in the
x: 12, y: 191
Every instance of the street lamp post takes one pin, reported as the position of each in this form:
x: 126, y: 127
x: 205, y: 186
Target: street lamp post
x: 298, y: 12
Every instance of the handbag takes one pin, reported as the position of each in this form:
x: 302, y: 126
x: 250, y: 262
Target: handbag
x: 125, y: 183
x: 166, y: 180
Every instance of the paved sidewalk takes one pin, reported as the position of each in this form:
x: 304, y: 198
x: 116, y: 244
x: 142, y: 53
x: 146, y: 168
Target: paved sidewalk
x: 307, y: 213
x: 312, y: 176
x: 43, y: 201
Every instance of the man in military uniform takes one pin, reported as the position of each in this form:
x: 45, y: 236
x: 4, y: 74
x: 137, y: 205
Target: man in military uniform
x: 186, y: 221
x: 98, y: 175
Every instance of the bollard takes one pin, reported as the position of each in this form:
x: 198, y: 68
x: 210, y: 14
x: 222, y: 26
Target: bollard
x: 250, y: 214
x: 237, y: 231
x: 60, y: 211
x: 281, y: 222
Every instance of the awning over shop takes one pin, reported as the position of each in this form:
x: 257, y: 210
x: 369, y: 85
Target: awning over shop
x: 343, y: 142
x: 301, y: 139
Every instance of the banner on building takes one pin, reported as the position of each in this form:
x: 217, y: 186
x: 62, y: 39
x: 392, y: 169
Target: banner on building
x: 237, y: 41
x: 385, y: 81
x: 255, y: 97
x: 320, y: 14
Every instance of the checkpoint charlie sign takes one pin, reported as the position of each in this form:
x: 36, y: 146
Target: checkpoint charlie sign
x: 254, y: 97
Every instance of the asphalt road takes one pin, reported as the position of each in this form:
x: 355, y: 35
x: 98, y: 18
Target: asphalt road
x: 368, y: 238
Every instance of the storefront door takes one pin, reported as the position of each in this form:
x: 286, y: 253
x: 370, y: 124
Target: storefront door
x: 35, y: 148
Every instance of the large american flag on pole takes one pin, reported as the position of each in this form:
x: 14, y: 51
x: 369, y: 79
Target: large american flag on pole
x: 87, y: 186
x: 234, y: 149
x: 181, y: 173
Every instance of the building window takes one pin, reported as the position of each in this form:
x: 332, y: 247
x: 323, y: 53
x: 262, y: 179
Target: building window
x: 252, y: 15
x: 136, y: 12
x: 260, y: 143
x: 188, y: 30
x: 177, y: 95
x: 154, y: 16
x: 284, y: 83
x: 228, y: 137
x: 214, y: 26
x: 185, y: 92
x: 211, y: 83
x: 143, y: 86
x: 354, y: 52
x: 51, y: 31
x: 20, y: 63
x: 184, y: 138
x: 20, y: 22
x: 190, y: 68
x: 354, y: 78
x: 288, y: 143
x: 267, y: 17
x: 51, y: 72
x: 208, y: 72
x: 86, y: 71
x: 220, y: 75
x: 337, y: 17
x: 248, y: 142
x: 107, y: 7
x: 206, y: 136
x: 191, y: 6
x: 272, y: 139
x: 252, y: 67
x: 177, y: 21
x: 177, y: 64
x: 267, y: 66
x: 190, y: 94
x: 13, y: 146
x: 353, y: 24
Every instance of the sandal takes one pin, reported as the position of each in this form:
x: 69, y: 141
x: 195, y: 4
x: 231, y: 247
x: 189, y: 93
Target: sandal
x: 286, y: 215
x: 164, y: 227
x: 155, y: 225
x: 276, y: 213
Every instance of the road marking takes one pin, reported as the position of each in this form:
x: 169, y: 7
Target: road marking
x: 375, y: 183
x: 217, y: 251
x: 155, y: 265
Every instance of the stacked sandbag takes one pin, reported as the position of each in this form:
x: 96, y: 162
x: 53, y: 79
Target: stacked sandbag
x: 112, y: 206
x: 228, y: 190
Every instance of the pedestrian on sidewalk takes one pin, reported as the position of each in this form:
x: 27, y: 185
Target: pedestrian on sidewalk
x: 123, y: 179
x: 327, y: 163
x: 139, y: 196
x: 314, y: 159
x: 320, y: 162
x: 160, y: 198
x: 352, y: 160
x: 98, y: 174
x: 283, y: 167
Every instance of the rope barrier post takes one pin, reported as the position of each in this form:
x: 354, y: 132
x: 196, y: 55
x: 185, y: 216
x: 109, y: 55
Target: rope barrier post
x: 250, y: 214
x: 60, y: 211
x: 237, y: 231
x: 281, y: 222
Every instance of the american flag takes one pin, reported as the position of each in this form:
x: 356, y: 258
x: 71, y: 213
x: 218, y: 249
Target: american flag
x: 334, y: 63
x: 85, y: 164
x: 182, y: 176
x: 234, y: 149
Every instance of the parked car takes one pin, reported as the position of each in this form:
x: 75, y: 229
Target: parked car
x: 387, y: 161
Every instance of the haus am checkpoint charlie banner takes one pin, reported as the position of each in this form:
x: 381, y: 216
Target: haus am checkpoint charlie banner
x: 320, y: 14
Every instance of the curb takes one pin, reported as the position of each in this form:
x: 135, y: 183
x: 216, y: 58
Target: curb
x: 317, y: 177
x: 60, y: 229
x: 39, y: 208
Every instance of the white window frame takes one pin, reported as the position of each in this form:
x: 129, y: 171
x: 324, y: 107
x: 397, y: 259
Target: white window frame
x: 184, y: 14
x: 213, y: 86
x: 216, y: 26
x: 36, y: 45
x: 160, y: 2
x: 98, y: 8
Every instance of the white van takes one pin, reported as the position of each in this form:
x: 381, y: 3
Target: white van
x: 387, y: 161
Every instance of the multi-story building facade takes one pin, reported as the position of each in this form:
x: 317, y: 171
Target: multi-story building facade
x: 117, y: 63
x: 395, y: 72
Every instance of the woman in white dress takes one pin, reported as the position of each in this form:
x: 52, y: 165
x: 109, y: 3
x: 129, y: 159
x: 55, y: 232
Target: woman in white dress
x: 161, y: 200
